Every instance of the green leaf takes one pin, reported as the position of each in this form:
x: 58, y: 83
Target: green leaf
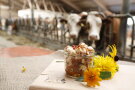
x: 105, y: 74
x: 79, y: 79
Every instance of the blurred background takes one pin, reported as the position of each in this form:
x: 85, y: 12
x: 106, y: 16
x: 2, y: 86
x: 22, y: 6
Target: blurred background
x: 38, y: 20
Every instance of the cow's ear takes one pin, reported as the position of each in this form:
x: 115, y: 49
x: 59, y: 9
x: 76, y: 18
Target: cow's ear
x: 63, y: 21
x: 98, y: 15
x: 84, y: 17
x: 66, y: 21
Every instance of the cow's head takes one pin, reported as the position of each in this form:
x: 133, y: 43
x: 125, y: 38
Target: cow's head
x: 61, y: 19
x: 94, y: 22
x: 60, y: 22
x: 74, y: 28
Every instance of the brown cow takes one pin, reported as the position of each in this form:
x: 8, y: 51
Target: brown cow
x: 115, y: 22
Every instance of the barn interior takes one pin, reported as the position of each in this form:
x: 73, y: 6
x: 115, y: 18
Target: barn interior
x: 30, y: 38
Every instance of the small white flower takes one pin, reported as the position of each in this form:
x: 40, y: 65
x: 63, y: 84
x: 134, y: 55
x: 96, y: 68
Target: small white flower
x: 83, y: 45
x: 90, y: 48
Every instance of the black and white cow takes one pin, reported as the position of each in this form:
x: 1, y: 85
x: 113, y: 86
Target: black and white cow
x: 84, y: 26
x: 95, y: 24
x: 74, y: 28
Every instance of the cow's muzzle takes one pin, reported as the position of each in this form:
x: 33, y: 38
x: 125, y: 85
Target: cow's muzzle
x: 93, y: 37
x: 73, y: 36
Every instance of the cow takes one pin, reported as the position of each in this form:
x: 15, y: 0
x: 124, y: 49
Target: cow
x: 62, y: 28
x: 73, y: 26
x: 3, y: 24
x: 84, y: 27
x: 109, y: 32
x: 95, y: 23
x: 12, y: 27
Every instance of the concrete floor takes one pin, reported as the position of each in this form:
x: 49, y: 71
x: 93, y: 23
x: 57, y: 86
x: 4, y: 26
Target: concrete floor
x: 13, y: 58
x: 35, y: 60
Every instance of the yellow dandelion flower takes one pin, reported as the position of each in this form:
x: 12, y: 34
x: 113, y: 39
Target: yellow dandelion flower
x: 23, y: 69
x: 114, y: 51
x: 91, y: 76
x: 105, y: 63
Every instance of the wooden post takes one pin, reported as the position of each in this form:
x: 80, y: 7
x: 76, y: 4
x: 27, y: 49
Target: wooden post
x: 71, y: 5
x: 102, y: 6
x: 63, y: 9
x: 10, y: 4
x: 36, y: 3
x: 24, y: 4
x: 51, y: 5
x: 45, y: 5
x: 58, y: 7
x: 29, y: 3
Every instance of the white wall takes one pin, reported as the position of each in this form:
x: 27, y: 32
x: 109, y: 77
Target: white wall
x: 4, y: 12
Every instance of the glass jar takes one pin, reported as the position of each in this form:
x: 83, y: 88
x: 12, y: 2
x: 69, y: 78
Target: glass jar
x: 75, y: 65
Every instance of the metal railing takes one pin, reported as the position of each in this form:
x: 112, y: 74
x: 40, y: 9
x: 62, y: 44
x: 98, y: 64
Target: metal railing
x: 46, y: 33
x: 132, y: 46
